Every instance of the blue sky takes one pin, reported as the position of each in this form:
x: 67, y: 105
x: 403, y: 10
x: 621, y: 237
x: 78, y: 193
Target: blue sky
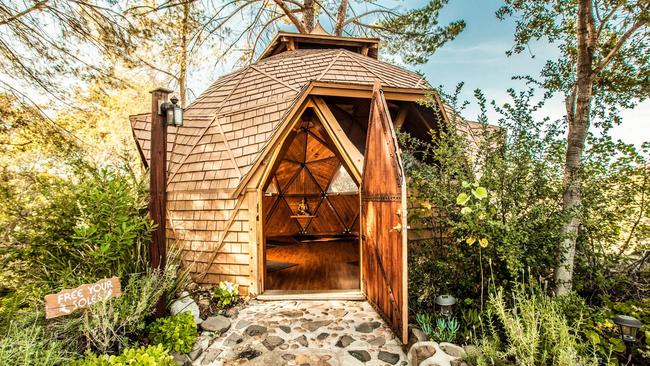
x: 477, y: 57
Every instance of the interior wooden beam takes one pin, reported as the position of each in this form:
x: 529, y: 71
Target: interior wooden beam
x: 344, y: 144
x: 422, y: 118
x: 401, y: 117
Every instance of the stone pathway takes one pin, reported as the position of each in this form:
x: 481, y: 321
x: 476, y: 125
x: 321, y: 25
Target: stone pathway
x: 318, y: 333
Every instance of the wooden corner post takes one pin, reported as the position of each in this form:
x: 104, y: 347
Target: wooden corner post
x: 158, y: 180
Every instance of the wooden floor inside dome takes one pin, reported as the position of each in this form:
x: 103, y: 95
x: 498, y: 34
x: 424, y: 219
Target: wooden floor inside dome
x: 313, y: 266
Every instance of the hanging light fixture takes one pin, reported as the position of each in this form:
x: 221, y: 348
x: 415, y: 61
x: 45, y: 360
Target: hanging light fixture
x: 173, y: 112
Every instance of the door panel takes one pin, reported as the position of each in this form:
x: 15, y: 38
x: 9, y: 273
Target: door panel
x: 383, y: 219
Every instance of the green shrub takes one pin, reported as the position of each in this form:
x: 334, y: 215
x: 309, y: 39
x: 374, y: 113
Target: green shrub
x: 143, y: 356
x: 226, y: 294
x: 175, y: 333
x: 68, y: 232
x: 110, y: 325
x: 30, y: 344
x: 532, y: 331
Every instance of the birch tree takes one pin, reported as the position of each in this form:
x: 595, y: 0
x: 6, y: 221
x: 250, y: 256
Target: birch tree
x: 603, y: 66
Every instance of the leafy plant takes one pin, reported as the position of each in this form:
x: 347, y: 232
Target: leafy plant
x: 425, y: 321
x: 531, y: 330
x: 446, y: 330
x: 143, y: 356
x: 76, y: 231
x: 110, y: 325
x: 30, y: 344
x: 175, y: 333
x: 226, y: 294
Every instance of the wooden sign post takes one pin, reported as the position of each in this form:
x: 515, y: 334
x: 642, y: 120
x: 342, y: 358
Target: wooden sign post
x: 69, y: 300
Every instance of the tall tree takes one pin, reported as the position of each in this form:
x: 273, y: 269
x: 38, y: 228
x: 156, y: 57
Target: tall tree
x: 46, y: 45
x: 603, y: 66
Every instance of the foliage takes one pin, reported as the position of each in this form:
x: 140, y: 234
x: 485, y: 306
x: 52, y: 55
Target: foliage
x: 530, y: 330
x: 475, y: 224
x: 517, y: 164
x: 226, y: 294
x: 28, y: 343
x: 78, y: 231
x: 446, y: 330
x: 443, y: 330
x: 111, y: 325
x: 520, y: 166
x: 143, y: 356
x: 425, y: 321
x: 598, y: 329
x: 602, y: 67
x: 175, y: 333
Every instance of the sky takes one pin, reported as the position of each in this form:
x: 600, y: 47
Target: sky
x: 477, y: 58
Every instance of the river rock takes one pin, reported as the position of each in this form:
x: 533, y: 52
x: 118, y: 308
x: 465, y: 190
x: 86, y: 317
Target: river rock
x: 344, y: 341
x: 272, y: 341
x: 360, y: 355
x: 367, y: 327
x: 218, y: 324
x: 185, y: 304
x: 255, y: 330
x: 388, y: 357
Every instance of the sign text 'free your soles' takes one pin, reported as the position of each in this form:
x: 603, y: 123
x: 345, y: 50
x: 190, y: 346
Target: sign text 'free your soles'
x: 67, y: 301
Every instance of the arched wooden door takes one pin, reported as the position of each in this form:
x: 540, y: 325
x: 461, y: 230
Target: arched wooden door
x: 383, y: 219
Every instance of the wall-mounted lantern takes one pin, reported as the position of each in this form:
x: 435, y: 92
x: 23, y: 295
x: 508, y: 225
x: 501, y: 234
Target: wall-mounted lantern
x: 446, y: 304
x: 173, y: 112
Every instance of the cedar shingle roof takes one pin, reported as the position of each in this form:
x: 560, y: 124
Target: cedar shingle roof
x: 227, y: 126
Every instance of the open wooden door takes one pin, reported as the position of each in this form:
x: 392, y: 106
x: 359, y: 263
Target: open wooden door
x: 383, y: 219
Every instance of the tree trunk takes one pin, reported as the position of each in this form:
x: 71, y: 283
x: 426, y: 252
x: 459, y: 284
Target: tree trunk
x: 578, y: 108
x: 182, y: 77
x: 308, y: 15
x: 340, y: 17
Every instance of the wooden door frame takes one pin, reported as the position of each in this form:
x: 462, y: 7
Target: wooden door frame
x: 345, y: 152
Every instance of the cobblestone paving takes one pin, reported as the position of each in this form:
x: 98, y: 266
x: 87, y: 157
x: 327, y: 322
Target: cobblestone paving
x: 317, y: 333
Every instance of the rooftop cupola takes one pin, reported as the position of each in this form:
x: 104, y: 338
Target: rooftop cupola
x: 320, y: 39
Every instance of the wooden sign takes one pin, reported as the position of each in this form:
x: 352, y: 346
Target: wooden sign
x: 67, y: 301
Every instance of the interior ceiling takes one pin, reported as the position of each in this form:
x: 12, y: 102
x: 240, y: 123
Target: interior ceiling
x: 309, y: 164
x: 305, y: 172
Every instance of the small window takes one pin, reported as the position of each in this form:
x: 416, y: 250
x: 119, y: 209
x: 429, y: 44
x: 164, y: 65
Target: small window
x: 272, y: 189
x: 342, y: 182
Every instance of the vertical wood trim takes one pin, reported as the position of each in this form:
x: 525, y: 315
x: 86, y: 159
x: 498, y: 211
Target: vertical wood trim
x: 157, y: 181
x: 253, y: 214
x: 261, y: 242
x: 405, y: 273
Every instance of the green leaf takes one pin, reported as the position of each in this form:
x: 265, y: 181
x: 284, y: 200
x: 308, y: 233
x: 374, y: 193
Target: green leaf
x: 617, y: 345
x: 462, y: 199
x: 593, y: 337
x: 465, y: 184
x: 480, y: 193
x: 466, y: 211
